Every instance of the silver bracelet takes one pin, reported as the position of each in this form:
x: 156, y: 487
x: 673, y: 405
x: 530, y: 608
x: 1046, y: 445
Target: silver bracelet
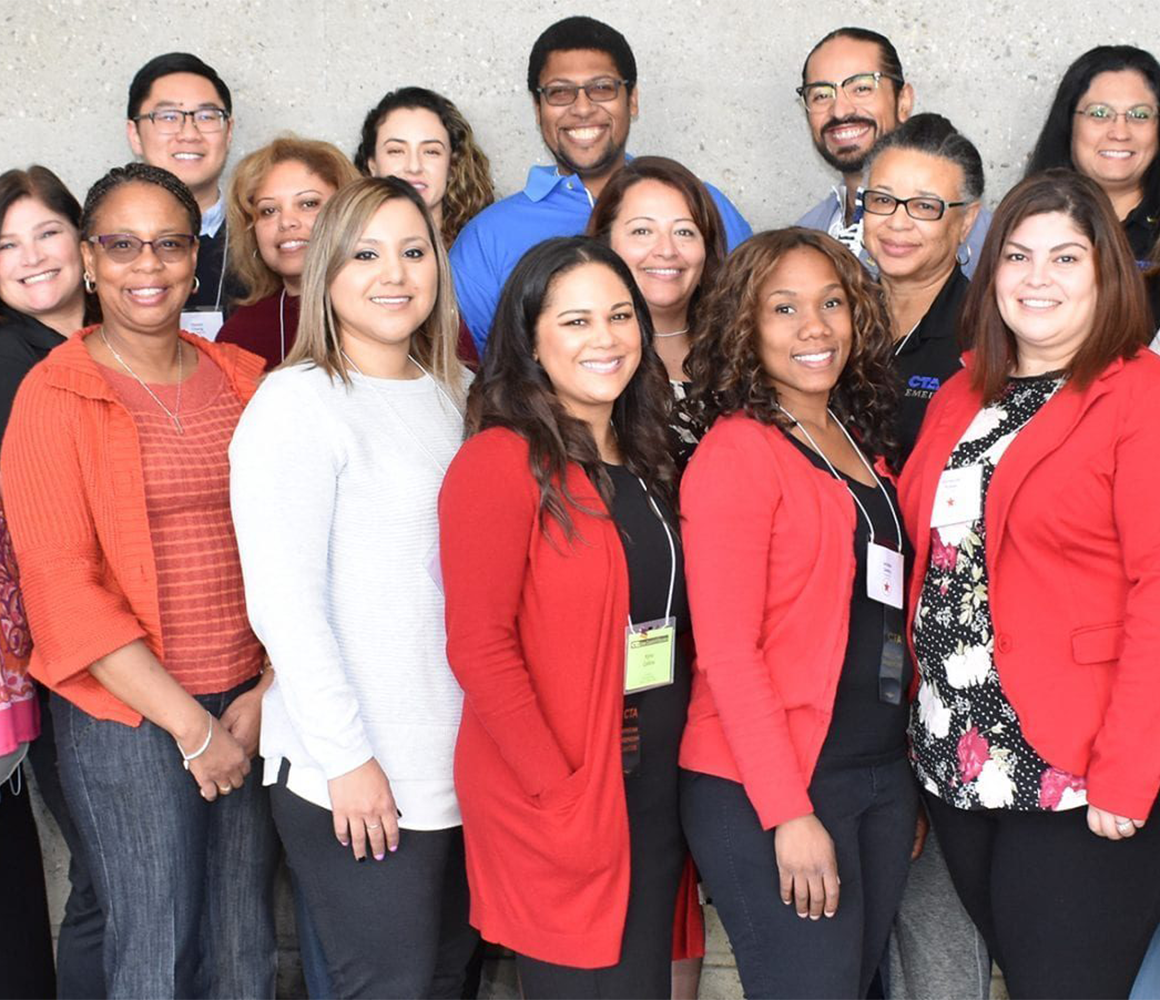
x: 187, y: 757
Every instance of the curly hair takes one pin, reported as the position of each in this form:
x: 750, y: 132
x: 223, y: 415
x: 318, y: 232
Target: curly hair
x: 469, y: 186
x: 138, y: 173
x: 320, y: 158
x: 725, y: 356
x: 514, y: 391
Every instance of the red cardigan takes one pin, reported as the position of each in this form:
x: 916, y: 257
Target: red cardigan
x: 1073, y: 557
x: 535, y: 636
x: 768, y: 546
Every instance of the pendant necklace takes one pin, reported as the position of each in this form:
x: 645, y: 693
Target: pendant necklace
x: 173, y: 414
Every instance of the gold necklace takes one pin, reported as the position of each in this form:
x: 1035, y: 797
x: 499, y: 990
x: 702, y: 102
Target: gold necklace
x: 173, y: 414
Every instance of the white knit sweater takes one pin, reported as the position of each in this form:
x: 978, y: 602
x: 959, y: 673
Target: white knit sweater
x: 334, y: 493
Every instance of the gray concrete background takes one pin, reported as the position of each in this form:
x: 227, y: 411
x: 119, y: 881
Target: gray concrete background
x: 716, y: 76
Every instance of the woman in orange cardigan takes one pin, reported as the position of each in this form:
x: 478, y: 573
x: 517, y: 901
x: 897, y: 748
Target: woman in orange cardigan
x: 795, y: 788
x: 116, y: 484
x: 560, y: 549
x: 1031, y: 497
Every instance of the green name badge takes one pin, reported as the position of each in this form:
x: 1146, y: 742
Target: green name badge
x: 649, y: 654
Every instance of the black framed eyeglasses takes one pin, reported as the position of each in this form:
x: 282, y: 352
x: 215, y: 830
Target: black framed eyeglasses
x: 124, y: 248
x: 170, y: 121
x: 859, y: 88
x: 560, y: 95
x: 921, y: 207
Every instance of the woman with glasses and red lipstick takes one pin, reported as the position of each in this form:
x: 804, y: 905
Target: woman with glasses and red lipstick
x: 116, y: 483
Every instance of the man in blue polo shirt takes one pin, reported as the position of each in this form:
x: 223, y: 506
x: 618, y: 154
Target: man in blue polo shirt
x: 582, y: 77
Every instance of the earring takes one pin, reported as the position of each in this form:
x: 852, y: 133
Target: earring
x: 961, y: 262
x: 90, y: 285
x: 196, y: 285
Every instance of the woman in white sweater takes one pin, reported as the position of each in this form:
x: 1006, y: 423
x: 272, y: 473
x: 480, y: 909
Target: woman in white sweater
x: 335, y: 470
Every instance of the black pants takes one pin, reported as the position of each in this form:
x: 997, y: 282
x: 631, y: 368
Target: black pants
x: 80, y: 946
x: 25, y: 938
x: 1064, y: 912
x: 869, y: 812
x: 392, y: 928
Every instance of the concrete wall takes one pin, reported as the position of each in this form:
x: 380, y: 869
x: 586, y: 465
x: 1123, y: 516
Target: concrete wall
x: 716, y: 76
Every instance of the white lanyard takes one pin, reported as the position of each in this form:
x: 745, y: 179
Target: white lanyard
x: 672, y: 552
x: 391, y: 406
x: 837, y: 476
x: 222, y: 276
x: 282, y: 322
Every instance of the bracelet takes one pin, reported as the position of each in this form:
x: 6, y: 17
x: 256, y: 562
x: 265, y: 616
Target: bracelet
x: 187, y: 757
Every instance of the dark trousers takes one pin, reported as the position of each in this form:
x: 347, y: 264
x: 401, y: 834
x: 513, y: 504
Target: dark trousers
x: 1064, y: 912
x: 80, y: 957
x: 869, y: 812
x: 391, y: 928
x: 25, y: 938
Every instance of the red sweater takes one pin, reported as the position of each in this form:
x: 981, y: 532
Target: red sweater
x: 770, y: 565
x: 1073, y: 557
x: 535, y: 635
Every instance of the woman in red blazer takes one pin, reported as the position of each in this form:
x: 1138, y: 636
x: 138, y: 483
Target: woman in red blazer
x: 1036, y: 625
x: 560, y: 550
x: 795, y: 775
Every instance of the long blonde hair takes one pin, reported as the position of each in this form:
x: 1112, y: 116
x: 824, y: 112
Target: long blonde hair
x: 337, y: 230
x: 321, y: 158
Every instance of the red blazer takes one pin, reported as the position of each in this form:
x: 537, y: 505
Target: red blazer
x: 1073, y: 557
x: 770, y: 567
x: 535, y: 635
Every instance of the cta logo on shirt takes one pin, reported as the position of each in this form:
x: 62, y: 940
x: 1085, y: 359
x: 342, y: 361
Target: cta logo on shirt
x: 922, y: 386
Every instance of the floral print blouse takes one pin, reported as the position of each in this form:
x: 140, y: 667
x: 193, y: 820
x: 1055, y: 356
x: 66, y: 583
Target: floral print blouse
x: 967, y: 745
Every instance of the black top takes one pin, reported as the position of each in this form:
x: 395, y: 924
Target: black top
x: 1142, y: 227
x: 660, y: 712
x: 863, y: 727
x: 211, y: 261
x: 927, y: 357
x: 24, y: 341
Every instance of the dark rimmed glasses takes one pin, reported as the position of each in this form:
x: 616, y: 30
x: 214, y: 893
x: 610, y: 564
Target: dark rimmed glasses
x: 170, y: 121
x: 859, y: 88
x: 922, y: 207
x: 560, y: 95
x: 124, y: 249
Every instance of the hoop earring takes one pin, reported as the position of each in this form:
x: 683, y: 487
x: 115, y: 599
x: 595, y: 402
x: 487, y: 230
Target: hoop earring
x: 90, y: 285
x: 196, y: 285
x: 959, y: 259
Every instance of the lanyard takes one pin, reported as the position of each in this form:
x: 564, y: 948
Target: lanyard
x: 403, y: 420
x: 282, y: 322
x: 672, y: 552
x: 837, y: 476
x: 222, y: 276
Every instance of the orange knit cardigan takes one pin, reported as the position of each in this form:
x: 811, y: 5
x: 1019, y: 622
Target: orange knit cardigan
x: 74, y: 493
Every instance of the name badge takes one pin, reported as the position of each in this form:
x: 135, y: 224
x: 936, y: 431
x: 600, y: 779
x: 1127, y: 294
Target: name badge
x: 884, y: 574
x: 959, y: 496
x: 893, y: 653
x: 204, y: 322
x: 650, y: 650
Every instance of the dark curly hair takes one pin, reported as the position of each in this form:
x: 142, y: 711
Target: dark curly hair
x: 725, y: 357
x: 514, y: 391
x: 139, y: 173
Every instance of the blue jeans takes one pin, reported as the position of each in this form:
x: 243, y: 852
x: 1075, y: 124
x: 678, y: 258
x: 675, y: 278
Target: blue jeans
x: 185, y: 884
x: 1147, y: 985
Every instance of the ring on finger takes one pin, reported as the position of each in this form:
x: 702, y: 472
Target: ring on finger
x: 226, y: 788
x: 1126, y: 826
x: 373, y: 826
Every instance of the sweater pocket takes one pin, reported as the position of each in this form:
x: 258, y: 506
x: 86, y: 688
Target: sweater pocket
x: 566, y: 792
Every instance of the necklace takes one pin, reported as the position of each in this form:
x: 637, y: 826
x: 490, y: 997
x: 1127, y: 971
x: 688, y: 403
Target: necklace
x: 675, y: 333
x: 173, y: 414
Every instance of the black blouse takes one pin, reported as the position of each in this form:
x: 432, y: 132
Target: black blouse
x: 24, y: 341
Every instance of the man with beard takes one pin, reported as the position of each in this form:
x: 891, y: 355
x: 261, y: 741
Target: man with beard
x: 582, y: 78
x: 854, y: 92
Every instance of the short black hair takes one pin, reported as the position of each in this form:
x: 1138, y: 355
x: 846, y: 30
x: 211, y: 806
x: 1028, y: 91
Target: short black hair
x: 891, y: 64
x: 165, y: 65
x: 140, y: 173
x: 581, y: 32
x: 936, y: 136
x: 1053, y: 147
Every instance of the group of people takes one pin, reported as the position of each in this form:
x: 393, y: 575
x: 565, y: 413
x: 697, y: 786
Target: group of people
x: 527, y: 570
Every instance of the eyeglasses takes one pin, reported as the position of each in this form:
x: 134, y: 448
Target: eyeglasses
x: 170, y: 121
x: 560, y: 95
x: 859, y: 88
x: 124, y: 249
x: 1140, y: 114
x: 921, y: 207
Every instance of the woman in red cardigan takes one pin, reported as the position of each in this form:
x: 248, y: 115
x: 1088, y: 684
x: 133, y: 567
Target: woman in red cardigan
x: 796, y: 788
x: 560, y: 552
x: 1031, y: 499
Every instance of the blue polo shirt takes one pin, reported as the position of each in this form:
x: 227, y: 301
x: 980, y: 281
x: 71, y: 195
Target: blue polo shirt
x: 551, y: 204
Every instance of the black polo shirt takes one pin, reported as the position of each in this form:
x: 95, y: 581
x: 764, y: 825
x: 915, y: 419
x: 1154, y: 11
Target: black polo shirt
x: 927, y: 357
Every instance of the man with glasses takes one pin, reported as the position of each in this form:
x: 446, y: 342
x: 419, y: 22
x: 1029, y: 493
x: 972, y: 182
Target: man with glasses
x: 582, y: 78
x: 854, y: 92
x: 180, y: 119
